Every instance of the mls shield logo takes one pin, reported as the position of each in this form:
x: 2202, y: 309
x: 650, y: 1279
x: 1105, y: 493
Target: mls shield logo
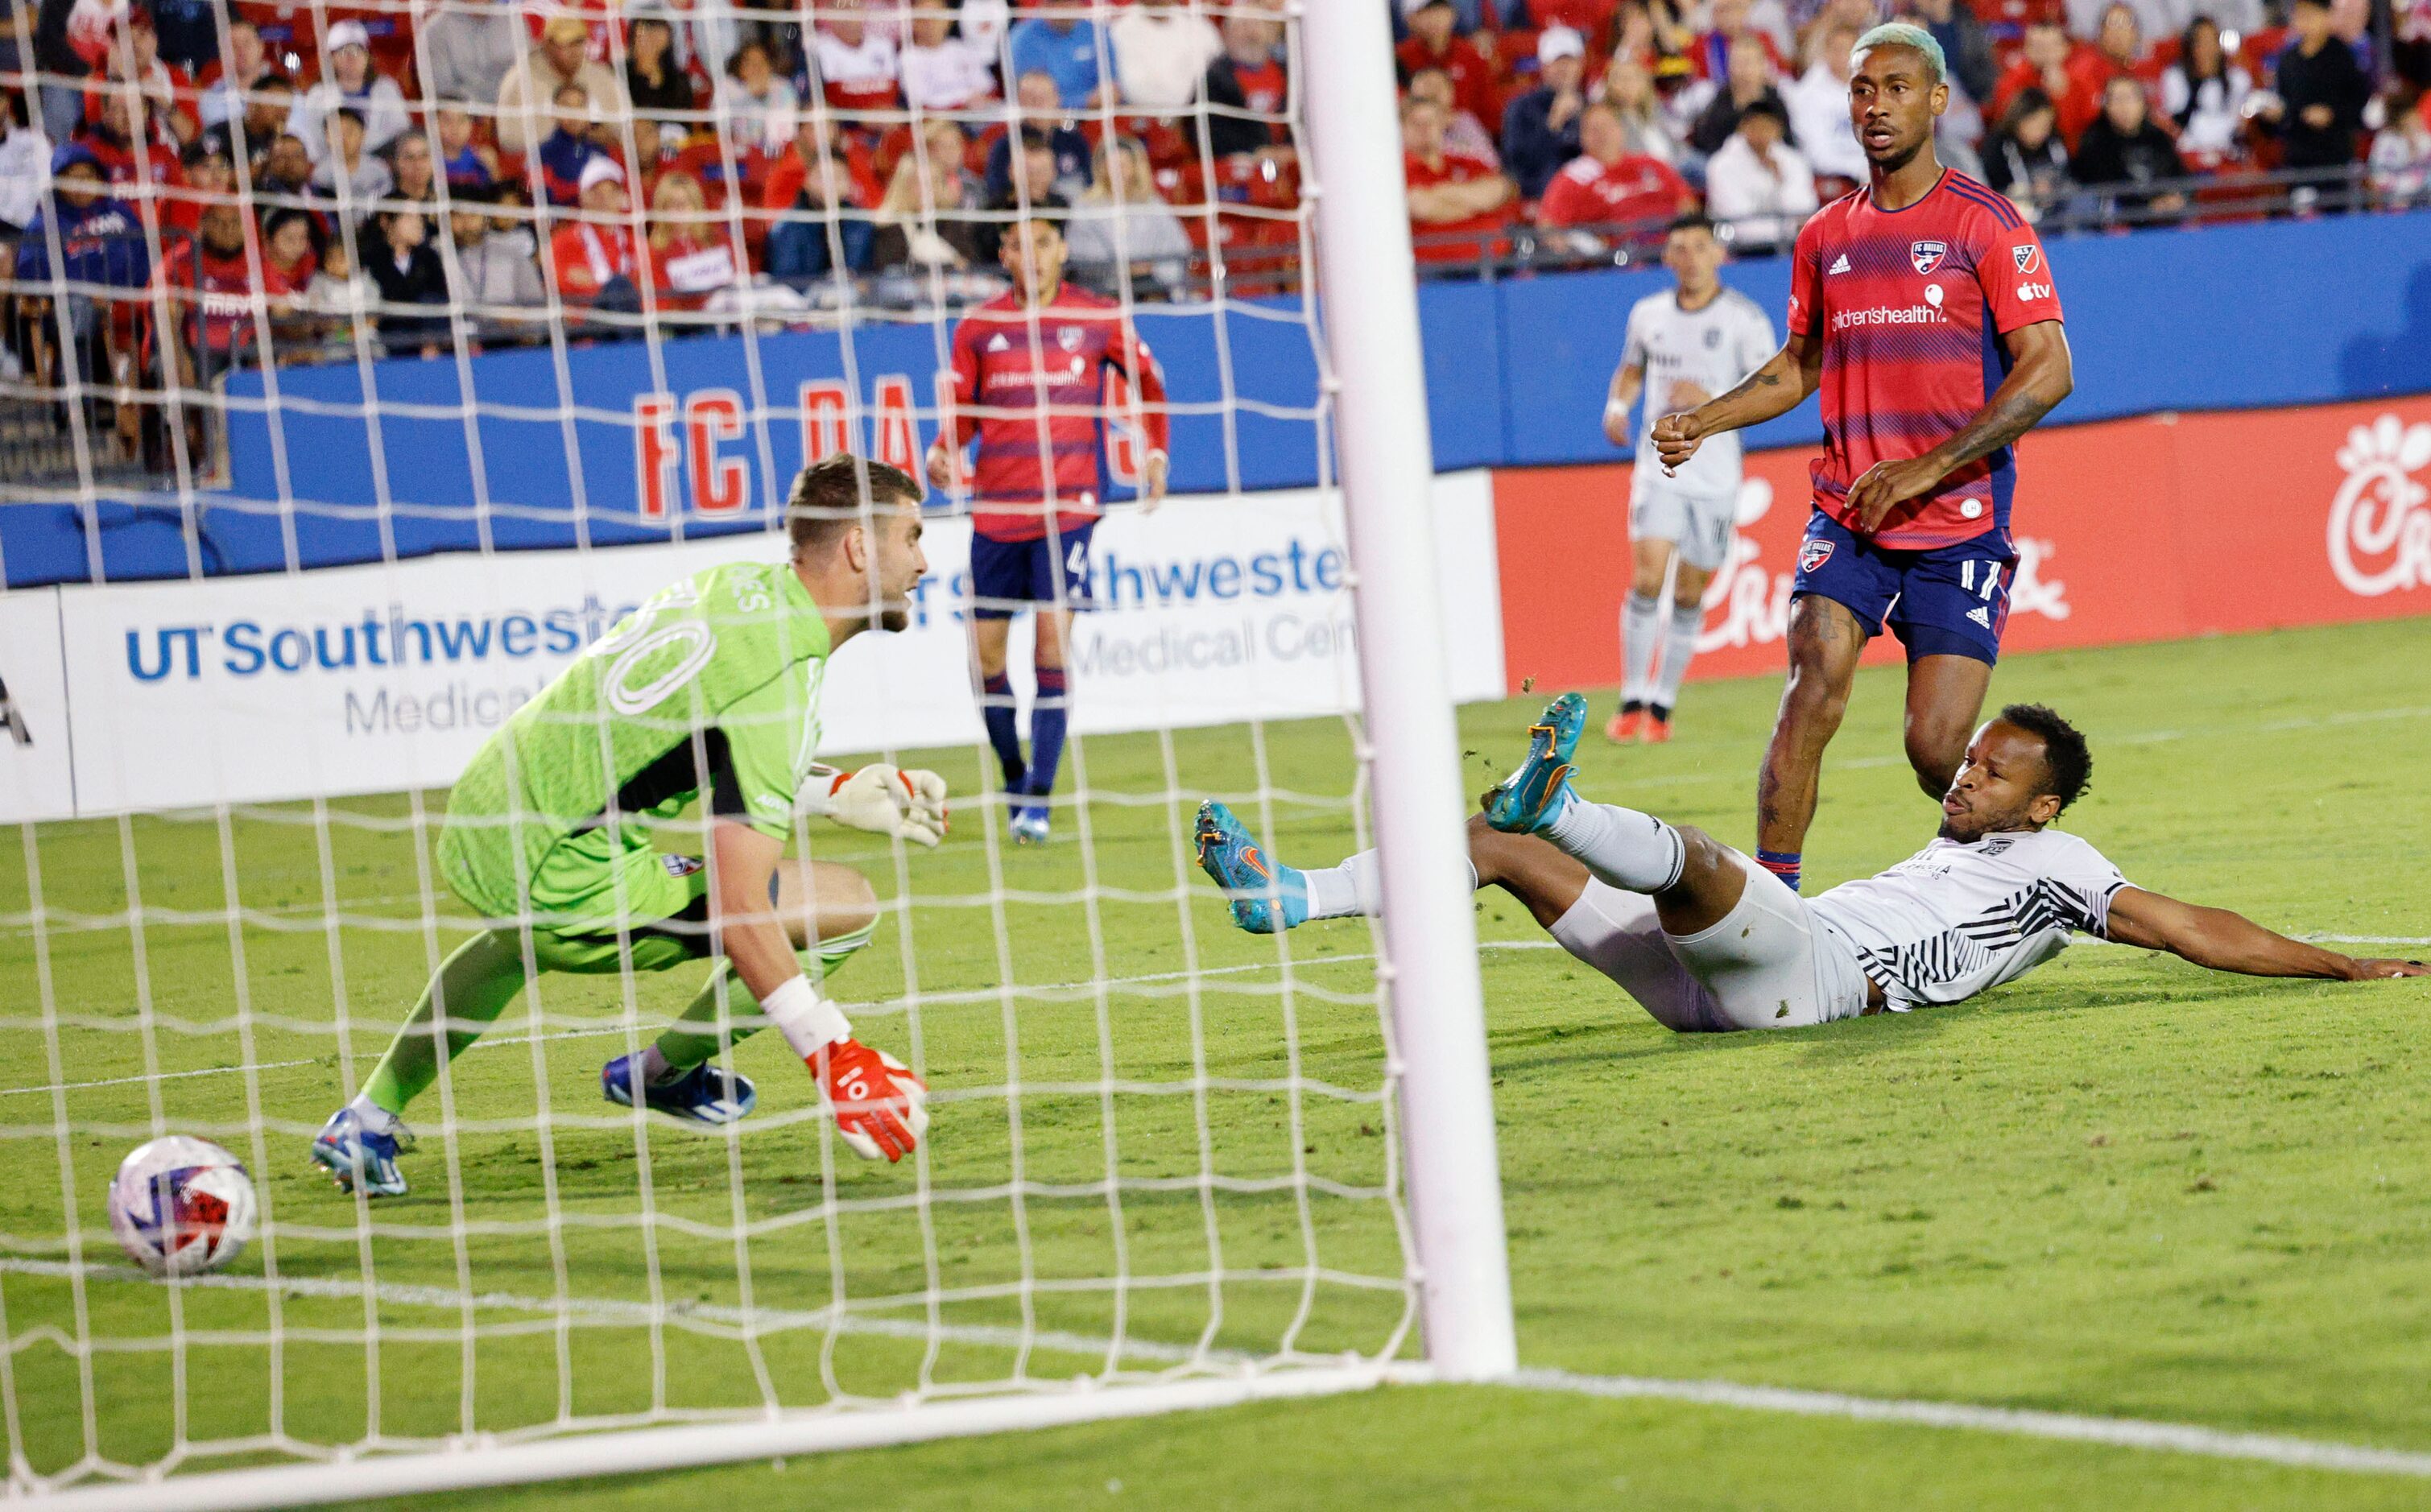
x: 2028, y: 256
x: 1927, y: 255
x: 1813, y: 555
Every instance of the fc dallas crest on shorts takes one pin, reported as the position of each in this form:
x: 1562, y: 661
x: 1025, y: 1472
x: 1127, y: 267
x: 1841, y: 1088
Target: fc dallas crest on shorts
x: 1813, y: 555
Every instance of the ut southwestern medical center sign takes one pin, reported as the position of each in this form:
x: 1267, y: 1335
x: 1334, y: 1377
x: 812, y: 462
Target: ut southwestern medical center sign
x: 376, y: 678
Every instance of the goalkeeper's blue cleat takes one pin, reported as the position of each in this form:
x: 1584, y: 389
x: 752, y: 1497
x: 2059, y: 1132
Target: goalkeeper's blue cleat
x: 704, y: 1094
x: 1529, y: 799
x: 1268, y: 895
x: 359, y: 1157
x: 1030, y: 826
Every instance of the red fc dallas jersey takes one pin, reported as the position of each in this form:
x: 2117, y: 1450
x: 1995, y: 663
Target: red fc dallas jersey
x: 218, y: 297
x: 1910, y: 306
x: 1003, y: 359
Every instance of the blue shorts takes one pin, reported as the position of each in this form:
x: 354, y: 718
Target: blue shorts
x: 1008, y: 577
x: 1951, y: 600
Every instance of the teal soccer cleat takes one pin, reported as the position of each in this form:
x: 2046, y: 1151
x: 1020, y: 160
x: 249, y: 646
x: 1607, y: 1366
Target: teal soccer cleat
x: 1262, y: 888
x: 1529, y: 799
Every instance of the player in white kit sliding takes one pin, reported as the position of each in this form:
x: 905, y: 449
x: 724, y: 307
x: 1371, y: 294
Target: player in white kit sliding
x: 1684, y: 926
x: 1681, y: 349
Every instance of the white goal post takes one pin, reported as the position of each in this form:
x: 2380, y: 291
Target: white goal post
x: 1433, y: 1084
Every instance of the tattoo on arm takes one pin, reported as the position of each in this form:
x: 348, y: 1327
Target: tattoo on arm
x: 2012, y: 413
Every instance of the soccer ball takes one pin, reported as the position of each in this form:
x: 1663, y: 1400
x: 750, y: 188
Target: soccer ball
x: 182, y: 1207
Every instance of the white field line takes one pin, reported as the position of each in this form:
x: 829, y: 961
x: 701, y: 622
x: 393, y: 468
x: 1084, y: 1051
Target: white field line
x: 502, y: 1041
x: 614, y: 1311
x: 2126, y: 1433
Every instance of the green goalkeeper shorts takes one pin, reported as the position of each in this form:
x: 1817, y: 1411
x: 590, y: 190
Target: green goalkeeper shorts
x: 643, y: 908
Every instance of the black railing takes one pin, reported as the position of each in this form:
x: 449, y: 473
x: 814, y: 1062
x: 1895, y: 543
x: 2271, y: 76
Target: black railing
x: 2232, y: 195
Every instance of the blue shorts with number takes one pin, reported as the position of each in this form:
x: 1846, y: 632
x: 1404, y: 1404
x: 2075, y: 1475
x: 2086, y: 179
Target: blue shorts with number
x: 1951, y: 600
x: 1008, y: 577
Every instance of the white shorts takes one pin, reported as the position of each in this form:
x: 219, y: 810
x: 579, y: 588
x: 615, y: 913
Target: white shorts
x: 1770, y: 964
x: 1699, y: 523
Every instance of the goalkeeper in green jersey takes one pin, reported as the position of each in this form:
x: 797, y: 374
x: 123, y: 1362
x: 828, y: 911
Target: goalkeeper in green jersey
x: 708, y: 691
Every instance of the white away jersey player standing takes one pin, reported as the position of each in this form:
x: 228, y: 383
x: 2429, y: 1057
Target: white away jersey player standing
x: 1682, y: 347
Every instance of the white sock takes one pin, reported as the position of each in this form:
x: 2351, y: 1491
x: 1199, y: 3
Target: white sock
x: 1641, y: 625
x: 1623, y: 846
x: 1679, y: 649
x: 1356, y: 887
x: 372, y: 1115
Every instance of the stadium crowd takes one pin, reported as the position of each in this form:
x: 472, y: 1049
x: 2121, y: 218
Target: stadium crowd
x: 1586, y: 124
x: 185, y: 183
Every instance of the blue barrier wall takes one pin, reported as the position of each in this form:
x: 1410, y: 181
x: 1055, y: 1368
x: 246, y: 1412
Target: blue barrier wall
x: 2222, y: 317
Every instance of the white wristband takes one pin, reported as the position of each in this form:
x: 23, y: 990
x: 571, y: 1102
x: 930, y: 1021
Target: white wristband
x: 1615, y: 410
x: 809, y: 1022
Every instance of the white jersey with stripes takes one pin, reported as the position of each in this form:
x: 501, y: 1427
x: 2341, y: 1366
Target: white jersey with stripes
x: 1957, y: 919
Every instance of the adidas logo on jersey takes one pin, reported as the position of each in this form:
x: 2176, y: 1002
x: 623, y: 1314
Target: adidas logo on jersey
x: 1981, y: 615
x: 1840, y: 264
x: 997, y: 343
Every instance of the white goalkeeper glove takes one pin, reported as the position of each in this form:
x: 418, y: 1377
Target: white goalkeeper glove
x: 881, y: 798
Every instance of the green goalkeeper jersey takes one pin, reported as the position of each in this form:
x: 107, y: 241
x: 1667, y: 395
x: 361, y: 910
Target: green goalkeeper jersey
x: 710, y: 689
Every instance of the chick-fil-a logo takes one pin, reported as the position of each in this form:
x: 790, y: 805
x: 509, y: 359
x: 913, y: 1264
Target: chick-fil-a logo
x: 2380, y: 536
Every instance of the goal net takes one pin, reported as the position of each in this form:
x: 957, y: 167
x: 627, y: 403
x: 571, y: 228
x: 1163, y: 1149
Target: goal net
x: 352, y: 394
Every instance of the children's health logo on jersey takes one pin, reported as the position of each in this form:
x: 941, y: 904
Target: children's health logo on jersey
x: 1927, y: 255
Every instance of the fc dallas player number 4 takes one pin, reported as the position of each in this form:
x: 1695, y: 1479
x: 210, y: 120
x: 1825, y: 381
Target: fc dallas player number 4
x: 1922, y: 309
x: 1029, y: 386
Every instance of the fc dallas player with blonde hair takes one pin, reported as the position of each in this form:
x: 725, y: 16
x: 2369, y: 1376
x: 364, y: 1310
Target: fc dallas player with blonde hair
x: 1922, y: 309
x: 1030, y: 381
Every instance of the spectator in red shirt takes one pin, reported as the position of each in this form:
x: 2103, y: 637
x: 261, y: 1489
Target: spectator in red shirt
x: 691, y: 257
x: 2118, y: 46
x: 2053, y: 62
x: 287, y: 262
x: 224, y: 92
x: 1475, y: 79
x: 1608, y: 184
x: 594, y: 259
x: 1462, y: 133
x: 135, y: 164
x: 215, y: 286
x: 1449, y: 192
x: 166, y: 89
x: 855, y: 64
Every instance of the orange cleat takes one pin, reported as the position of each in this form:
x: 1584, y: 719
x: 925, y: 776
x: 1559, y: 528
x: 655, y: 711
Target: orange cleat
x: 1658, y: 730
x: 1626, y: 726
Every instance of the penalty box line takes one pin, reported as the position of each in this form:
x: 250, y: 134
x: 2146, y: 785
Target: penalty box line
x: 2029, y: 1423
x: 504, y: 1041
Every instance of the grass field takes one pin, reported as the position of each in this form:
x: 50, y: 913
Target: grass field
x: 2120, y: 1188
